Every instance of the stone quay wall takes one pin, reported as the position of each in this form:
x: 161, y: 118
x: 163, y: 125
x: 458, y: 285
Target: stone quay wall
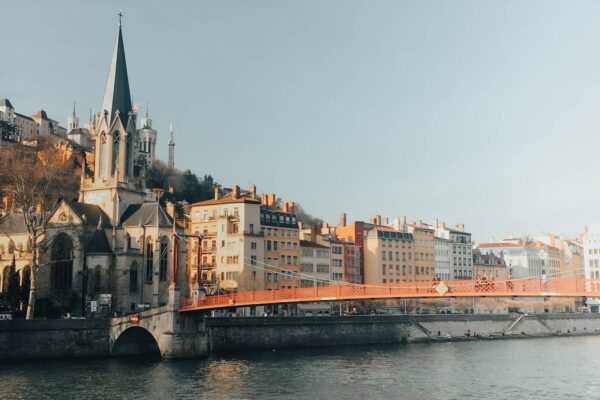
x: 39, y: 339
x: 195, y: 336
x: 239, y: 334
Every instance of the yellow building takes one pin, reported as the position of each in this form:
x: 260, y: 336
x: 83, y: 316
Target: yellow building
x: 424, y: 254
x: 388, y: 255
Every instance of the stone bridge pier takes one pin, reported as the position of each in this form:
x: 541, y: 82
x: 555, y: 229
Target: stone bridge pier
x: 160, y: 331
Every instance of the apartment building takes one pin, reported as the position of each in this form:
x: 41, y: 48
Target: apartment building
x: 525, y: 258
x: 443, y: 258
x: 280, y: 228
x: 424, y: 250
x: 461, y: 249
x: 232, y: 247
x: 388, y: 256
x: 489, y: 266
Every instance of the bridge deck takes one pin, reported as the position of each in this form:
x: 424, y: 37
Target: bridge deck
x: 557, y: 287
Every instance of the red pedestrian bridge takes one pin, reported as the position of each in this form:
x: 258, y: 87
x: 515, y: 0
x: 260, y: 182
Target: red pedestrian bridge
x: 531, y: 287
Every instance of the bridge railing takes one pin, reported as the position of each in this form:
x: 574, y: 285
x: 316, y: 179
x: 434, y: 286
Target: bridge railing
x: 532, y: 287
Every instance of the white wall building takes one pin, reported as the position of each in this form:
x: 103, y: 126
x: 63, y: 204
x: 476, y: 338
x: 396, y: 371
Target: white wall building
x: 443, y: 258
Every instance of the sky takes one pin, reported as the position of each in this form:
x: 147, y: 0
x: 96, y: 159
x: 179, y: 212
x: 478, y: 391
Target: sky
x: 482, y: 113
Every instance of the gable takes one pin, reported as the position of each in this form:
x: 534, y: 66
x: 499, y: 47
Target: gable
x: 65, y: 215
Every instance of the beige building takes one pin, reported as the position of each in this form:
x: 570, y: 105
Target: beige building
x: 388, y: 255
x: 232, y: 250
x: 282, y: 244
x: 424, y: 250
x: 490, y: 266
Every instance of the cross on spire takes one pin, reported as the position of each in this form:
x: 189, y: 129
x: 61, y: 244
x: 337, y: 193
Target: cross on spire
x: 120, y: 14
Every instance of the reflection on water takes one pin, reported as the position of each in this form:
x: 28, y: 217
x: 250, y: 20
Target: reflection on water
x: 553, y: 368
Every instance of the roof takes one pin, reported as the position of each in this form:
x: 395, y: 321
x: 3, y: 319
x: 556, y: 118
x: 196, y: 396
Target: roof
x: 532, y: 243
x: 116, y: 95
x: 308, y: 243
x: 6, y: 103
x: 146, y: 214
x: 24, y: 116
x: 13, y: 223
x: 92, y: 214
x: 228, y: 199
x: 99, y: 243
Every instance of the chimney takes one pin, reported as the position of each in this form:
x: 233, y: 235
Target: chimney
x: 378, y: 219
x: 253, y: 191
x: 342, y: 219
x: 263, y: 199
x: 386, y: 221
x: 217, y: 193
x: 271, y: 200
x: 235, y: 191
x: 460, y: 227
x: 290, y: 207
x: 314, y: 230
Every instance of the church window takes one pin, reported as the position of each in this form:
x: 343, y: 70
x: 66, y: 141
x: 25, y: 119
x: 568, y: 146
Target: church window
x: 62, y: 262
x: 128, y: 154
x: 115, y: 152
x: 163, y: 258
x: 149, y: 260
x: 133, y: 278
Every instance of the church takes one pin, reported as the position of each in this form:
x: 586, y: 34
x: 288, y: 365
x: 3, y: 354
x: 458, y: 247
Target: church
x: 114, y: 247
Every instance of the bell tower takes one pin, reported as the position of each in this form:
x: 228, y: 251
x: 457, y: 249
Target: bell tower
x: 114, y: 186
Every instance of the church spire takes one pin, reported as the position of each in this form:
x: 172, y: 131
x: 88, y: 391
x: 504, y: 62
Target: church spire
x: 117, y: 96
x: 171, y: 149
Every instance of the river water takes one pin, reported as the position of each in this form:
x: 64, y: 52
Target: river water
x: 549, y: 368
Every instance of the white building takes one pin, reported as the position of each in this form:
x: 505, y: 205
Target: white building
x: 443, y: 258
x: 461, y: 249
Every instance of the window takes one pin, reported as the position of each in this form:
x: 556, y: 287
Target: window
x: 253, y: 245
x: 252, y: 260
x: 251, y: 228
x: 307, y: 267
x: 323, y: 268
x: 133, y: 278
x: 149, y: 259
x: 163, y: 259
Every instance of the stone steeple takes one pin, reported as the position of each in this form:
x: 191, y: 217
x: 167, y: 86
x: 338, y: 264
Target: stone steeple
x: 117, y: 96
x: 171, y: 149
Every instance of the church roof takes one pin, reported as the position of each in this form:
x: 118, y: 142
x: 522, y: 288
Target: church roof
x: 146, y: 214
x: 116, y: 94
x: 99, y: 243
x: 12, y: 223
x: 92, y: 214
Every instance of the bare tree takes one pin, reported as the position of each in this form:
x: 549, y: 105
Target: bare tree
x: 36, y: 179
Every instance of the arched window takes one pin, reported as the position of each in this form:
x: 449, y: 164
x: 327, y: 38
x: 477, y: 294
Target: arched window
x: 149, y: 259
x: 62, y: 262
x: 102, y: 155
x: 115, y: 151
x: 133, y: 278
x: 164, y: 254
x: 128, y: 155
x: 11, y: 247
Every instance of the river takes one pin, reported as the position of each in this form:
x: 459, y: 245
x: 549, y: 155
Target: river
x: 548, y: 368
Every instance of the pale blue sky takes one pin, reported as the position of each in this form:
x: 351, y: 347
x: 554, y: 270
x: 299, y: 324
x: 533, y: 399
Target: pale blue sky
x: 480, y: 112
